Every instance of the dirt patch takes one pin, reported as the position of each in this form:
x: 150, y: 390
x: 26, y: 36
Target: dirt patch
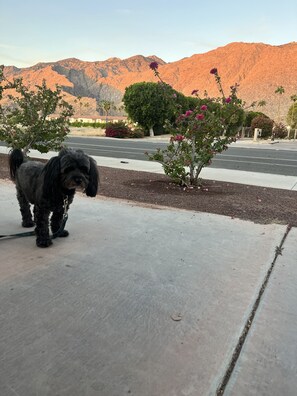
x: 257, y: 204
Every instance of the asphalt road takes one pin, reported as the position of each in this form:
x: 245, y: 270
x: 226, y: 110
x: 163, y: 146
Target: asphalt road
x: 265, y: 160
x: 272, y: 160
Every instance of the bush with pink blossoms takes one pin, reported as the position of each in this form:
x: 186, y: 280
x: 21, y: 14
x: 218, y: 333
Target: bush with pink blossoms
x: 199, y: 134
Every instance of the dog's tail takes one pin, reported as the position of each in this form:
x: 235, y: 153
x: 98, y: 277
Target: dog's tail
x: 16, y: 158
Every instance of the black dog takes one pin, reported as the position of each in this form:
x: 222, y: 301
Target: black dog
x: 50, y: 188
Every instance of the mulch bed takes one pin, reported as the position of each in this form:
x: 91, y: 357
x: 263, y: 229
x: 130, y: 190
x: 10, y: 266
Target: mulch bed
x: 257, y: 204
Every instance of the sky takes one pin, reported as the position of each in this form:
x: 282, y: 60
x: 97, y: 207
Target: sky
x: 33, y: 31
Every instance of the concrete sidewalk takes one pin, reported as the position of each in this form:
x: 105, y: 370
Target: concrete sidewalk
x: 146, y: 301
x: 232, y: 176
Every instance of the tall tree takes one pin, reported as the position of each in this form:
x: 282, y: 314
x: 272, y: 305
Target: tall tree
x: 147, y: 104
x: 279, y: 91
x: 292, y: 115
x: 106, y: 106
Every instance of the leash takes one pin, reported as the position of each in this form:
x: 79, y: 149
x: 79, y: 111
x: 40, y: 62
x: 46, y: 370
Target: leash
x: 19, y: 235
x: 64, y: 219
x: 54, y: 235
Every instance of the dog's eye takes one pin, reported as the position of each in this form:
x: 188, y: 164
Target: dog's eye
x: 69, y: 169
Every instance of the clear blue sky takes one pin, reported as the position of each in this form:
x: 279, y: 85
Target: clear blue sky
x: 33, y: 31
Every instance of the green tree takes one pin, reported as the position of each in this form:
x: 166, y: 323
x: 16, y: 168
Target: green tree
x: 26, y: 123
x: 250, y: 115
x: 292, y: 115
x: 150, y: 104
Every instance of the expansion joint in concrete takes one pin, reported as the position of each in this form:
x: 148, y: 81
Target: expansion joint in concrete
x: 230, y: 368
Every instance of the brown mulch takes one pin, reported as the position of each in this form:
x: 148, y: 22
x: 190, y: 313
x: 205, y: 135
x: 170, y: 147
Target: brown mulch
x: 257, y: 204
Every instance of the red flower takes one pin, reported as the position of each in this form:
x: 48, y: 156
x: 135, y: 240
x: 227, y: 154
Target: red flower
x: 179, y: 138
x: 214, y: 71
x: 228, y: 100
x: 203, y: 108
x: 200, y: 116
x: 194, y: 92
x: 188, y: 113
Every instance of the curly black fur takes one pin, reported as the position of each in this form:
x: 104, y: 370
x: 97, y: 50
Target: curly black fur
x: 47, y: 185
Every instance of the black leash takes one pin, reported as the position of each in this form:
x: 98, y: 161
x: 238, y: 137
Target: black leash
x: 19, y: 235
x: 55, y: 234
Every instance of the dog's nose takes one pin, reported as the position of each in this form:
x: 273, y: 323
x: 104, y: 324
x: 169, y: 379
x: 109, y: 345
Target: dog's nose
x: 78, y: 180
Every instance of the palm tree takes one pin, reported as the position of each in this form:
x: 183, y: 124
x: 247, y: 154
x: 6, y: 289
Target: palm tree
x: 79, y: 98
x: 279, y: 90
x: 106, y: 106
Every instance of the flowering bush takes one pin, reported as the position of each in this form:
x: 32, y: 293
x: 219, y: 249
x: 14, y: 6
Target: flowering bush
x: 201, y: 133
x: 117, y: 130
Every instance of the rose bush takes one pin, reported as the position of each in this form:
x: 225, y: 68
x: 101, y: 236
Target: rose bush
x: 201, y: 133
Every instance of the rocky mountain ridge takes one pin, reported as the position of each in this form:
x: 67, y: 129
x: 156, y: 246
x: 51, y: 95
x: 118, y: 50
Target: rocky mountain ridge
x: 258, y: 68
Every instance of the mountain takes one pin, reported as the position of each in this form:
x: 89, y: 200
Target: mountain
x: 258, y: 68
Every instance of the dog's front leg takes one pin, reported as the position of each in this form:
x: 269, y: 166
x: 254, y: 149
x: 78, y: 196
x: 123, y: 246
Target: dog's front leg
x: 42, y: 227
x: 56, y: 222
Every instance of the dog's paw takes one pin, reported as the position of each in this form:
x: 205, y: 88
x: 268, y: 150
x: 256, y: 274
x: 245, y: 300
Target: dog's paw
x: 28, y: 223
x: 64, y: 234
x: 43, y: 242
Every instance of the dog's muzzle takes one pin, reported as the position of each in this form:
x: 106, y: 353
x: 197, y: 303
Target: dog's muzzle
x: 78, y: 181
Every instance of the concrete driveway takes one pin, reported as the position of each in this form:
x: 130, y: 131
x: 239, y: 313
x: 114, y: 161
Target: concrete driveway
x: 146, y: 301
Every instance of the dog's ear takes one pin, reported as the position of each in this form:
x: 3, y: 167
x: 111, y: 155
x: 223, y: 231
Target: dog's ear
x: 51, y: 177
x: 92, y: 187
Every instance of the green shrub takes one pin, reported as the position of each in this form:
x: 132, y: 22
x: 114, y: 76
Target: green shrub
x: 249, y: 116
x: 264, y: 123
x: 117, y: 130
x: 36, y: 119
x: 80, y: 124
x: 137, y: 133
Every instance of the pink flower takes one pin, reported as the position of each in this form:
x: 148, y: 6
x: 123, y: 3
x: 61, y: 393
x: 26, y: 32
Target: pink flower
x: 154, y: 65
x: 194, y: 92
x: 200, y: 116
x: 188, y: 113
x: 228, y: 100
x: 203, y: 108
x: 174, y: 95
x: 180, y: 118
x: 179, y: 138
x: 214, y: 71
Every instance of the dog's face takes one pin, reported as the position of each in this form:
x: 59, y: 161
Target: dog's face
x: 75, y: 170
x: 71, y: 170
